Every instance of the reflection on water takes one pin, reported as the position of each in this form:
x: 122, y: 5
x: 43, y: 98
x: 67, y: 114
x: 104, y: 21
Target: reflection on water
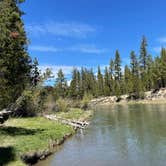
x: 121, y: 135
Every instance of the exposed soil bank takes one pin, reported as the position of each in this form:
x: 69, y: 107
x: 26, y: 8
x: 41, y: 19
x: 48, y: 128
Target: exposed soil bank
x: 158, y: 96
x: 33, y: 158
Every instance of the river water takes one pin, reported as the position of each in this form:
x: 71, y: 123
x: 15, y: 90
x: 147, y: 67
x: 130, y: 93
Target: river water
x: 120, y: 135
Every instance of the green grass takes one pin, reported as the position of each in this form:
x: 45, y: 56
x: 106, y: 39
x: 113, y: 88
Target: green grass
x: 19, y: 136
x: 22, y: 135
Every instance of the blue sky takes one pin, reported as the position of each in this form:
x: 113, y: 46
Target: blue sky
x: 67, y: 33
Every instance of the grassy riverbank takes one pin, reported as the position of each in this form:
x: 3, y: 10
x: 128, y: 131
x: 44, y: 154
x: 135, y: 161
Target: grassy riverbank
x: 28, y: 135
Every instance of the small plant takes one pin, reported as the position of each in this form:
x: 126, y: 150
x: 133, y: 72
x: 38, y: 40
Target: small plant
x: 85, y: 101
x: 24, y: 105
x: 62, y: 105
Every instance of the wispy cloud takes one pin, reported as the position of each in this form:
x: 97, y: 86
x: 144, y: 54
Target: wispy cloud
x: 67, y: 70
x: 44, y: 48
x: 162, y: 40
x: 157, y: 49
x: 89, y: 49
x: 86, y: 48
x: 70, y: 29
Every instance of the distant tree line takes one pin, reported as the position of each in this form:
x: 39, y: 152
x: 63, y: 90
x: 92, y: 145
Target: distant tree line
x: 20, y: 78
x: 144, y: 73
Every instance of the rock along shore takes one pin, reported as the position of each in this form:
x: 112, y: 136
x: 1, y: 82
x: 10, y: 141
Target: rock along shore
x: 156, y: 96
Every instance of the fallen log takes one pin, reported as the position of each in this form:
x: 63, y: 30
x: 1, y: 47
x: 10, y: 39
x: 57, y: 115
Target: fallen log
x: 73, y: 123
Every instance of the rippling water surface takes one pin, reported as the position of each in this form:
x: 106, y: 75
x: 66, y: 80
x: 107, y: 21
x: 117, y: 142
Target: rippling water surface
x: 121, y: 135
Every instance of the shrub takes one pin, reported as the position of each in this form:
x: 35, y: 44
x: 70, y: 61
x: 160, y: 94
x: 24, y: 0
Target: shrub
x: 85, y: 101
x: 62, y: 105
x: 50, y: 104
x: 24, y: 105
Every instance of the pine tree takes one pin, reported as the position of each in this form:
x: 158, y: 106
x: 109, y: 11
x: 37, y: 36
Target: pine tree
x: 14, y: 60
x: 134, y: 64
x: 149, y: 75
x: 61, y: 84
x: 143, y: 62
x: 163, y: 67
x: 111, y: 72
x: 35, y: 73
x: 128, y: 84
x: 117, y: 64
x: 100, y: 82
x: 136, y: 82
x: 107, y: 82
x: 143, y: 54
x: 111, y: 68
x: 75, y: 85
x: 118, y: 74
x: 157, y: 74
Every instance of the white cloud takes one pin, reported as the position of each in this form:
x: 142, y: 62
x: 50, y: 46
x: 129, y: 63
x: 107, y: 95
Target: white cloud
x: 157, y: 49
x: 67, y: 70
x: 70, y: 29
x: 162, y: 40
x: 87, y: 48
x: 44, y: 48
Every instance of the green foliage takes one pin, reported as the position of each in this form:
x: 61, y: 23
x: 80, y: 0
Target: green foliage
x: 14, y: 60
x: 75, y: 85
x: 128, y: 84
x: 85, y: 101
x: 61, y: 84
x: 24, y: 105
x: 143, y: 74
x: 20, y: 77
x: 62, y: 105
x: 35, y: 73
x: 100, y: 83
x: 76, y: 114
x: 143, y: 54
x: 27, y: 135
x: 50, y: 104
x: 117, y: 64
x: 107, y: 82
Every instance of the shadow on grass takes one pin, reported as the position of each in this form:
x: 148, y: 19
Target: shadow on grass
x: 15, y: 131
x: 6, y: 155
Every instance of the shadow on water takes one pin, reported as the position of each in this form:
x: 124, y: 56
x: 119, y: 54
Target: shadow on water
x: 14, y: 131
x: 6, y: 155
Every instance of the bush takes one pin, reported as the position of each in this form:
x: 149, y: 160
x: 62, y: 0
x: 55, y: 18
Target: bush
x: 39, y: 99
x: 50, y: 104
x: 74, y: 103
x: 85, y: 101
x: 62, y: 105
x: 24, y: 105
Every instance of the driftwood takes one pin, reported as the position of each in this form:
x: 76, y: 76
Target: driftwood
x: 73, y: 123
x: 4, y: 115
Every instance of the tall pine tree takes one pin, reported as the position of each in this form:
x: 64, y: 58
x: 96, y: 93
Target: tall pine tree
x: 14, y: 60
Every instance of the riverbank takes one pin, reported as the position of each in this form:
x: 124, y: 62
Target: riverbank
x: 25, y: 139
x: 150, y: 97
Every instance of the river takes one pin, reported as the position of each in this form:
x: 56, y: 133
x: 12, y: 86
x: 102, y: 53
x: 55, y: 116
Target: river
x: 119, y: 135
